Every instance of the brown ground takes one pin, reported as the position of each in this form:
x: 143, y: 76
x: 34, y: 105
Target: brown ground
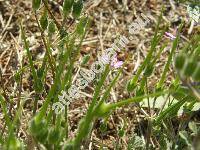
x: 109, y: 19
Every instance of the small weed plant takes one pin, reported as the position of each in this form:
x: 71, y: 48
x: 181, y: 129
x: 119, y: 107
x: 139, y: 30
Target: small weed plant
x: 50, y: 130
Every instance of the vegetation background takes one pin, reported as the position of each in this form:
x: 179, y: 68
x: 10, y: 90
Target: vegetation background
x: 34, y: 71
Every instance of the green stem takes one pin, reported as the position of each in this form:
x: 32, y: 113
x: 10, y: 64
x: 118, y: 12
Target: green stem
x: 3, y: 106
x: 51, y: 14
x: 135, y: 99
x: 47, y: 47
x: 29, y: 57
x: 154, y: 42
x: 175, y: 44
x: 89, y: 116
x: 106, y: 94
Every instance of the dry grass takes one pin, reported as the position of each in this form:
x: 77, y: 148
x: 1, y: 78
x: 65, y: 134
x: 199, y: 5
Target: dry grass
x: 110, y: 18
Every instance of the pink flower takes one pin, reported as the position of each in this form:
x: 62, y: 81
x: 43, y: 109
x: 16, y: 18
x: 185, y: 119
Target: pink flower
x: 169, y: 35
x: 116, y: 64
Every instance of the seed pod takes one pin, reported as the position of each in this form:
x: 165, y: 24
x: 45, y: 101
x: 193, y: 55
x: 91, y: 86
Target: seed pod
x: 44, y: 21
x: 196, y: 75
x: 67, y: 6
x: 190, y: 67
x: 36, y: 4
x: 77, y: 8
x: 180, y: 61
x: 51, y: 27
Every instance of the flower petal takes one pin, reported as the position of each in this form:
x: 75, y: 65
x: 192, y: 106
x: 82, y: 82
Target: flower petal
x: 169, y: 35
x: 118, y: 64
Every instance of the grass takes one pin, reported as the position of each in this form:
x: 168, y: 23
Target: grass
x: 49, y: 130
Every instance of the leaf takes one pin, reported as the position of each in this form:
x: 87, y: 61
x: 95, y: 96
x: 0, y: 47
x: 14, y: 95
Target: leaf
x: 77, y: 8
x: 67, y: 6
x: 121, y: 132
x: 44, y: 21
x: 184, y: 135
x: 81, y: 26
x: 171, y: 110
x: 136, y: 143
x: 36, y: 4
x: 85, y: 59
x: 51, y: 27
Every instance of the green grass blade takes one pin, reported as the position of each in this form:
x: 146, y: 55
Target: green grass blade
x: 5, y: 112
x: 29, y: 57
x: 154, y: 43
x: 170, y: 110
x: 175, y: 45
